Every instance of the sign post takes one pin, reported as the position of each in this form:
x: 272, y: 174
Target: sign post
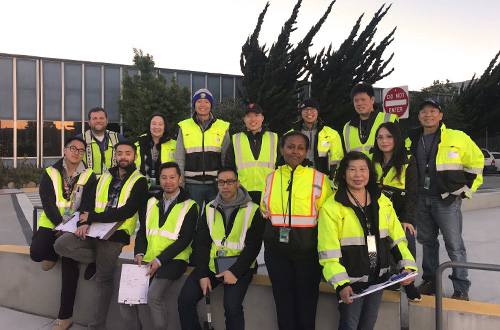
x: 396, y: 101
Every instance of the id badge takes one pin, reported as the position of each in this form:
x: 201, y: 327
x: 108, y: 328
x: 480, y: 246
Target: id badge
x: 284, y: 234
x: 67, y: 210
x: 115, y: 203
x: 104, y: 169
x: 152, y: 181
x: 221, y: 252
x: 372, y: 243
x: 427, y: 182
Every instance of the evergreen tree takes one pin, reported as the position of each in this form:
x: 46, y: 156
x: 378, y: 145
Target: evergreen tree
x: 274, y: 78
x: 147, y: 93
x: 335, y: 72
x: 479, y: 101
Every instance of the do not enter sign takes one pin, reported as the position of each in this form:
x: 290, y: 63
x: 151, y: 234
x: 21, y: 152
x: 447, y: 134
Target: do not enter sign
x: 396, y: 101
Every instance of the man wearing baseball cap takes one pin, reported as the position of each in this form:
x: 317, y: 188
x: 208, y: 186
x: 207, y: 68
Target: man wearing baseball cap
x: 325, y: 150
x: 201, y: 148
x: 253, y: 152
x: 450, y: 169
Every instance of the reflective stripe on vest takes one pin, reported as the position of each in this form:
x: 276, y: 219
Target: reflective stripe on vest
x: 165, y: 233
x: 251, y: 172
x: 354, y: 135
x: 61, y: 202
x: 93, y: 148
x: 297, y: 220
x: 231, y: 245
x: 268, y: 139
x: 102, y: 197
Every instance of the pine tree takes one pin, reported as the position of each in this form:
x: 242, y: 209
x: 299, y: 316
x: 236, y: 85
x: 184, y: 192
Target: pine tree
x: 479, y: 101
x: 274, y: 78
x: 147, y: 93
x: 335, y: 72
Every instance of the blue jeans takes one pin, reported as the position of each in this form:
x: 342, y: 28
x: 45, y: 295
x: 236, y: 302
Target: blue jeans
x: 432, y: 216
x: 202, y: 193
x: 234, y: 294
x: 362, y: 313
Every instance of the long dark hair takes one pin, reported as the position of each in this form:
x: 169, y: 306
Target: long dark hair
x: 166, y: 133
x: 399, y: 154
x: 344, y: 163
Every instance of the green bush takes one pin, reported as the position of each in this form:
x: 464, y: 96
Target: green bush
x: 20, y: 176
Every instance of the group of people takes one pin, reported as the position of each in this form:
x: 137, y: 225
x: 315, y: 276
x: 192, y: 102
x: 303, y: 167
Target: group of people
x: 219, y: 197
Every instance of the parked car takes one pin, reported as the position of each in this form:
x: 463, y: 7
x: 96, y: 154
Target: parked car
x: 489, y: 162
x: 496, y: 155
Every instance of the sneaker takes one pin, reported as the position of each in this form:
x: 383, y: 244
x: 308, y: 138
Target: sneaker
x: 459, y: 295
x: 63, y: 324
x: 412, y: 293
x: 48, y: 265
x: 90, y: 271
x: 427, y: 287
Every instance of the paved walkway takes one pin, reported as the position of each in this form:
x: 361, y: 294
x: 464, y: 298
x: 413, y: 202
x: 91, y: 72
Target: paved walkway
x: 14, y: 320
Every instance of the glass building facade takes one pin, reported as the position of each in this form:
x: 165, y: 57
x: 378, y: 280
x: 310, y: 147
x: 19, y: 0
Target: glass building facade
x: 43, y: 101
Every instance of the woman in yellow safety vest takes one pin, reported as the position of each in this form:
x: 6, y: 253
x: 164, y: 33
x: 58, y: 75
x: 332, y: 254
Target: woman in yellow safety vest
x: 154, y: 148
x: 398, y: 178
x: 291, y: 202
x: 357, y: 231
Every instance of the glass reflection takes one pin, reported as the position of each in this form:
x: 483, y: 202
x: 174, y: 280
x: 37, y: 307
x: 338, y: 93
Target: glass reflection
x: 26, y: 138
x: 6, y: 138
x: 52, y: 131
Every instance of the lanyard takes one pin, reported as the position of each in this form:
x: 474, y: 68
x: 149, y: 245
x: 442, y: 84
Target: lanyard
x: 289, y: 201
x: 428, y: 154
x: 363, y: 209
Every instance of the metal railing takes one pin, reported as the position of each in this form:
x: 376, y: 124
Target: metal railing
x: 439, y: 283
x: 35, y: 217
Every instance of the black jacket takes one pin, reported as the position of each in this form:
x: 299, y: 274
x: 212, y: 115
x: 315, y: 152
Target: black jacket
x: 146, y: 143
x: 48, y: 196
x: 170, y: 268
x: 138, y: 197
x: 405, y: 207
x: 321, y: 163
x: 253, y: 243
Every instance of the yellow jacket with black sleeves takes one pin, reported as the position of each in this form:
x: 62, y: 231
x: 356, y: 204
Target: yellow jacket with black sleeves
x: 342, y: 248
x: 459, y: 163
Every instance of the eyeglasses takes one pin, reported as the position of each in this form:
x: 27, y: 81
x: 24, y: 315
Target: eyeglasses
x: 75, y: 149
x: 309, y: 109
x: 229, y: 182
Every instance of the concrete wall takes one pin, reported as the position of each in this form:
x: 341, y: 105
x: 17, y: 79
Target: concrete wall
x: 25, y: 287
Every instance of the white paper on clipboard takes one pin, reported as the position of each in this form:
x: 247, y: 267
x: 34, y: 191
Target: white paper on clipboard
x: 380, y: 286
x: 134, y: 285
x: 71, y: 225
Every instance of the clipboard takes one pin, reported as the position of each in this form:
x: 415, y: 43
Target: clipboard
x: 223, y: 263
x: 103, y: 230
x: 376, y: 287
x: 134, y: 285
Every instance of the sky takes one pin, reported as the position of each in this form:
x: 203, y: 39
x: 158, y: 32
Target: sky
x: 434, y: 40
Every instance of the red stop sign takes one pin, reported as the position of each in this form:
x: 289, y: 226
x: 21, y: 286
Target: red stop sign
x: 396, y: 101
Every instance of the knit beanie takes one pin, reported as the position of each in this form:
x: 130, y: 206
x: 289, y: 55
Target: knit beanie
x: 203, y: 94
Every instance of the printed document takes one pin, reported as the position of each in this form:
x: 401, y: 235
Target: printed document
x: 134, y: 285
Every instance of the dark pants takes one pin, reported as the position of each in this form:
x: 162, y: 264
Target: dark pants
x: 295, y: 285
x: 234, y: 294
x: 104, y: 254
x: 42, y: 248
x: 361, y: 314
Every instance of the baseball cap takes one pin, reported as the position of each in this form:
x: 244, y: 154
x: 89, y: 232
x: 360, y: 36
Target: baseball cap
x: 430, y: 102
x: 253, y: 107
